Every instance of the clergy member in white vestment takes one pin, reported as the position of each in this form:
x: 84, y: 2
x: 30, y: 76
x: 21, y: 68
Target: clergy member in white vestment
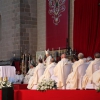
x: 29, y: 74
x: 48, y: 71
x: 48, y: 58
x: 19, y: 78
x: 74, y: 59
x: 88, y: 60
x: 71, y: 81
x: 90, y: 70
x: 32, y: 84
x: 95, y: 79
x: 59, y: 73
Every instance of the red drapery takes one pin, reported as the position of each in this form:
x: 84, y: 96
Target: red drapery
x: 87, y: 26
x: 56, y: 35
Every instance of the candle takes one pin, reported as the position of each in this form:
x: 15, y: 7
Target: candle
x: 59, y: 49
x: 21, y: 49
x: 29, y: 59
x: 25, y: 62
x: 14, y: 55
x: 23, y: 57
x: 52, y: 51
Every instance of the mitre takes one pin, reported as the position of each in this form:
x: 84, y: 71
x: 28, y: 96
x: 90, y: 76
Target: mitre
x: 47, y: 52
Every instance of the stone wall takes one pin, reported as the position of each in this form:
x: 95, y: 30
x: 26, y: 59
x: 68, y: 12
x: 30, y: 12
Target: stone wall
x: 18, y: 28
x: 28, y: 20
x: 10, y: 29
x: 41, y: 25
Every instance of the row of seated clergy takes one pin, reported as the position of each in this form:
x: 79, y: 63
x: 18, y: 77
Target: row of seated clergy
x: 63, y: 75
x: 57, y: 72
x: 41, y: 73
x: 29, y: 74
x: 82, y: 73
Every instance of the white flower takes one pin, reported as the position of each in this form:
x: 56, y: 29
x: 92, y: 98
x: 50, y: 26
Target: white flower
x: 46, y: 84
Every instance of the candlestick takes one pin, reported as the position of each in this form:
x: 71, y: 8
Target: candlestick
x: 29, y: 59
x: 52, y: 51
x: 59, y: 49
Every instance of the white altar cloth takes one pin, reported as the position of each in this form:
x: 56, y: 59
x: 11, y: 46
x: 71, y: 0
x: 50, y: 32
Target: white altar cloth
x: 7, y: 71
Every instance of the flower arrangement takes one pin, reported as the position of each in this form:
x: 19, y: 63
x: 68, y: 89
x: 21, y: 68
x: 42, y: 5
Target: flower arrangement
x: 97, y: 88
x: 5, y: 83
x: 46, y: 85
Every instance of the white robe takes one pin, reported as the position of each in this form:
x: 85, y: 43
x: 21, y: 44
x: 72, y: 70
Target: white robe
x: 48, y: 60
x: 29, y: 75
x: 96, y: 79
x: 19, y: 79
x: 48, y: 72
x: 88, y: 75
x: 34, y: 79
x: 72, y: 77
x: 59, y: 72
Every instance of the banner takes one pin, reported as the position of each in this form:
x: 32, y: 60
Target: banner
x: 56, y: 24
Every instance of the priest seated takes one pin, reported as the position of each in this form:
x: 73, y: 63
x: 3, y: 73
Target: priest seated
x: 61, y: 71
x: 71, y: 82
x: 19, y: 78
x: 49, y: 70
x: 38, y: 72
x: 29, y: 73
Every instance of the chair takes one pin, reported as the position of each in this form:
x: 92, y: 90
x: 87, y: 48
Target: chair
x: 66, y: 70
x: 81, y: 72
x: 95, y: 67
x: 51, y: 70
x: 40, y: 73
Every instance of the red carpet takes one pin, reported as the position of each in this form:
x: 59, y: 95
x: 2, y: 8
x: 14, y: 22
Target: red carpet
x: 55, y: 95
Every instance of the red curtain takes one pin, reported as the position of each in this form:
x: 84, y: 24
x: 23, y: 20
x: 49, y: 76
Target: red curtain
x: 87, y: 26
x: 56, y: 35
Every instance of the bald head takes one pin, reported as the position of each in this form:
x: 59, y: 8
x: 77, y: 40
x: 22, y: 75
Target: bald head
x: 63, y: 56
x: 97, y: 55
x: 80, y: 56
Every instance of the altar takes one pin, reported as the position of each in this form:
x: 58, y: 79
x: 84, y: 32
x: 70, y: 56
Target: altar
x: 7, y: 71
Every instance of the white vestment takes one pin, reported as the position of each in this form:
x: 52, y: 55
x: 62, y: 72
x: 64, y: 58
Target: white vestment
x: 59, y: 72
x: 96, y: 79
x: 29, y: 75
x: 19, y: 79
x: 48, y: 60
x: 72, y: 77
x: 89, y: 72
x: 48, y: 72
x: 35, y: 78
